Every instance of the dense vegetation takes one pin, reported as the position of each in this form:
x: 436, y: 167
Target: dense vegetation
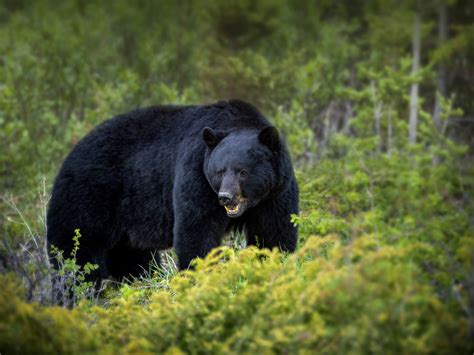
x: 375, y: 101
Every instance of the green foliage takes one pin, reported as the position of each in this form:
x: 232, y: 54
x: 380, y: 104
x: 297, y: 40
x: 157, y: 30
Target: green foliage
x: 30, y: 329
x: 299, y: 136
x: 71, y: 275
x: 405, y: 201
x: 328, y: 297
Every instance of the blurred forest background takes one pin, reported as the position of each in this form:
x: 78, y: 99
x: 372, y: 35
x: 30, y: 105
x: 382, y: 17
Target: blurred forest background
x: 376, y: 101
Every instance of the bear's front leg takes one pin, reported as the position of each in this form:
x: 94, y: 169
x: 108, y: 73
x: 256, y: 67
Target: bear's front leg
x: 195, y: 236
x: 269, y: 223
x: 199, y: 221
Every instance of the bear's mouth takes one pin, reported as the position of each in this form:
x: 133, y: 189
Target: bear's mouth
x: 235, y: 210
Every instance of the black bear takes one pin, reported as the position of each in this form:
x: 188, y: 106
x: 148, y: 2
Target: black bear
x: 173, y: 176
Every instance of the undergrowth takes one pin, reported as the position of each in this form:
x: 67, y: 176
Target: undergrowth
x: 328, y: 297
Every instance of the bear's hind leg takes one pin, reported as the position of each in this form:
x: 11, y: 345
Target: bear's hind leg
x: 124, y: 261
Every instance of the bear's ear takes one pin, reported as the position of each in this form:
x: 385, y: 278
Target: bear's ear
x: 212, y: 137
x: 270, y: 137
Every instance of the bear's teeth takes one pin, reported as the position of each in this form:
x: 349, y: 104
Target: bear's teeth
x: 232, y: 210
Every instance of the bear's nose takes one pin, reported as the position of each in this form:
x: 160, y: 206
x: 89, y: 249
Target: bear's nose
x: 224, y: 198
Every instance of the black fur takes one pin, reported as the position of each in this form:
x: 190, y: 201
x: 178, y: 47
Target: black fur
x: 147, y: 181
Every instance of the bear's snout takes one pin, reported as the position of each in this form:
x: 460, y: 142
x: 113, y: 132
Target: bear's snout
x: 229, y: 189
x: 225, y: 198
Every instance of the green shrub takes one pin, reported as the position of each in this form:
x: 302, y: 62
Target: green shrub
x: 362, y: 297
x: 31, y: 329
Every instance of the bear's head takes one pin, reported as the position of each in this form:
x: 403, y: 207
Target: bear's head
x: 241, y: 166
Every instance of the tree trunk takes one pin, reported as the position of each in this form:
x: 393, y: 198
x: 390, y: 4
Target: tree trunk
x: 441, y: 79
x: 326, y: 129
x: 349, y: 113
x: 389, y: 132
x: 377, y: 114
x: 413, y: 121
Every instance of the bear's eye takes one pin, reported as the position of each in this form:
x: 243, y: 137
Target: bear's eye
x: 243, y: 173
x: 220, y: 172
